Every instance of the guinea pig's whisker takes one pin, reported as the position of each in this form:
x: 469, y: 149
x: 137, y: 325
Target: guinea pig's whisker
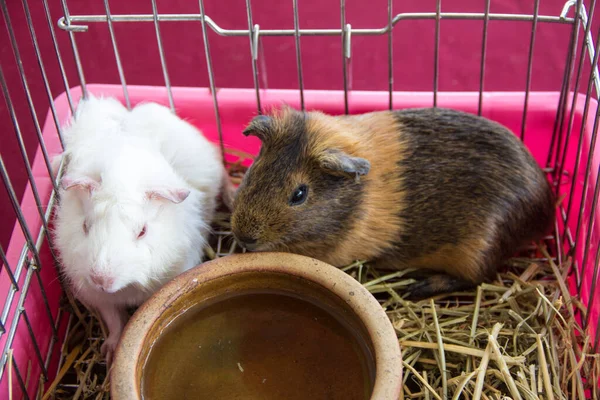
x: 55, y: 279
x: 273, y: 245
x: 152, y: 284
x: 76, y: 288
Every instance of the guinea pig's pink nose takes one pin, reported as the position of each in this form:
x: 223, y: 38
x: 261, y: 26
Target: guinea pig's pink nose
x: 103, y: 281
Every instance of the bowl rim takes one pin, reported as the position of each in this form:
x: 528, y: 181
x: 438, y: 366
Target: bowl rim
x: 388, y: 358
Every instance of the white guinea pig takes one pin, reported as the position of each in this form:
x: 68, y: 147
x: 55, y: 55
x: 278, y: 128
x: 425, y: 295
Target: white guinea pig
x: 134, y: 210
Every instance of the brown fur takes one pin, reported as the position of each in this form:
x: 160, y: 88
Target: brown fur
x: 374, y: 137
x: 446, y: 192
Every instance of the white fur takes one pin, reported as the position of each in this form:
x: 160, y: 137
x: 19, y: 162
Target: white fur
x: 129, y: 154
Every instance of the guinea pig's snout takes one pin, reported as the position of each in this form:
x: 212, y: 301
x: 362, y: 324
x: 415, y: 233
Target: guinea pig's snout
x: 245, y: 241
x: 103, y: 281
x: 247, y: 231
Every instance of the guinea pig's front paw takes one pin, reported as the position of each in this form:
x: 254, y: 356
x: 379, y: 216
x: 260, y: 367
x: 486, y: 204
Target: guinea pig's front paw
x: 108, y: 349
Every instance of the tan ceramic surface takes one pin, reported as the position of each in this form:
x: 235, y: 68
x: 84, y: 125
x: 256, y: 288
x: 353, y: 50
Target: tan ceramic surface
x: 126, y: 370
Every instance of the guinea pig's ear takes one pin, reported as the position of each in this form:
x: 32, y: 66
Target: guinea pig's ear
x: 340, y: 163
x: 173, y: 195
x: 260, y: 127
x: 84, y: 182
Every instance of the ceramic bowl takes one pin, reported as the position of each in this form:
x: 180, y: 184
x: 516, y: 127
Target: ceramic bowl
x: 307, y: 278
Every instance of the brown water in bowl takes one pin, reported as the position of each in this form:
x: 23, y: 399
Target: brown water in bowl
x: 259, y: 346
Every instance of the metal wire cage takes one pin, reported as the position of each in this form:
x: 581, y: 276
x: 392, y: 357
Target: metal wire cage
x: 560, y: 127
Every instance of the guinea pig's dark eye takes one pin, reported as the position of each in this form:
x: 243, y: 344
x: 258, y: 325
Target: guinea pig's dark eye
x: 142, y: 232
x: 86, y: 229
x: 299, y: 195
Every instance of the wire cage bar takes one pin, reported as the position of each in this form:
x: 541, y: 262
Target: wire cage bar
x: 28, y: 261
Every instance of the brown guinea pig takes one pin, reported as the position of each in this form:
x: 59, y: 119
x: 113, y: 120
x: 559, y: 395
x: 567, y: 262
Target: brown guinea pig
x: 434, y: 189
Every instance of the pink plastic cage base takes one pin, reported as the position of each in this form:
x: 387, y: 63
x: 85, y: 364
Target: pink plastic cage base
x: 237, y: 107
